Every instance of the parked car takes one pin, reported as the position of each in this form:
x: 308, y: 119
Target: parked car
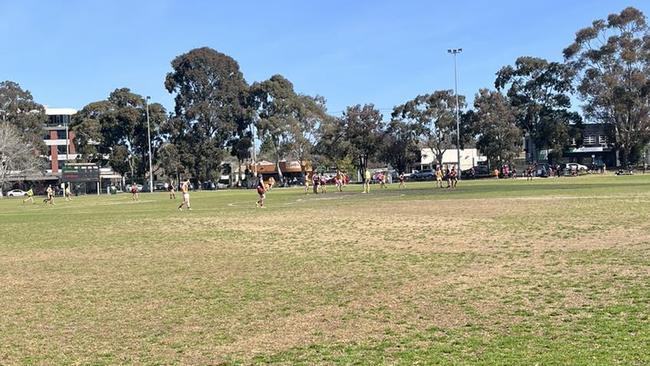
x: 424, y: 174
x: 543, y: 170
x: 208, y: 186
x: 570, y: 168
x: 480, y: 171
x: 159, y: 186
x: 16, y: 193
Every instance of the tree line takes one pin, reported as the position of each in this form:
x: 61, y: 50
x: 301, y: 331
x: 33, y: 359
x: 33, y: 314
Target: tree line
x: 218, y: 115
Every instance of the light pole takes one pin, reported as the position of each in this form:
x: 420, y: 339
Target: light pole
x: 67, y: 150
x: 455, y: 52
x: 67, y: 139
x: 146, y: 103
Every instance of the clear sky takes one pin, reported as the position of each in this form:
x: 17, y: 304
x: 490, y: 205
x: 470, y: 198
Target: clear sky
x: 69, y: 53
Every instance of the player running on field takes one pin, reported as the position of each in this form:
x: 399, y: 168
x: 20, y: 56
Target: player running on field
x: 401, y: 181
x: 339, y: 181
x: 30, y: 196
x: 453, y: 177
x: 382, y: 180
x: 323, y: 184
x: 185, y: 188
x: 50, y: 195
x: 261, y: 191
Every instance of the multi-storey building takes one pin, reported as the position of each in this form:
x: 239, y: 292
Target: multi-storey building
x: 596, y: 148
x: 59, y: 139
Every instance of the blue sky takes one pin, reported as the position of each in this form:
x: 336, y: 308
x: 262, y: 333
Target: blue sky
x: 70, y: 53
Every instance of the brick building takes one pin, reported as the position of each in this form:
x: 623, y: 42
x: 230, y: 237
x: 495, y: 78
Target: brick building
x: 59, y: 139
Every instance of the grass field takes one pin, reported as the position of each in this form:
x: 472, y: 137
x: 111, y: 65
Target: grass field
x: 496, y: 272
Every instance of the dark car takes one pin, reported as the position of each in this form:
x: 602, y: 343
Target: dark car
x: 422, y: 175
x: 479, y: 171
x: 208, y: 186
x: 543, y: 170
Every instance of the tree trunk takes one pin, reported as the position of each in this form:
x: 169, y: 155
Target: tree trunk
x: 363, y: 165
x: 277, y: 166
x: 626, y: 150
x: 439, y: 155
x: 132, y: 169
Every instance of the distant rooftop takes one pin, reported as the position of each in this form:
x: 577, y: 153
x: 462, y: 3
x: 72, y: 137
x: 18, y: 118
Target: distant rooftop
x: 60, y: 111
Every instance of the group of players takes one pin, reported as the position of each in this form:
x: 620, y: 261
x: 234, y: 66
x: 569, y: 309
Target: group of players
x: 49, y: 194
x: 317, y: 182
x: 449, y: 175
x: 171, y: 188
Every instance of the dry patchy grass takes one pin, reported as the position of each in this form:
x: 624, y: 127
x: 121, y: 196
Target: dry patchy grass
x: 232, y: 283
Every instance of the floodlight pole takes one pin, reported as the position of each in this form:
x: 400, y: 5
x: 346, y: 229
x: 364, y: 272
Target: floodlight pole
x: 67, y: 140
x: 67, y: 149
x: 146, y: 103
x: 455, y: 52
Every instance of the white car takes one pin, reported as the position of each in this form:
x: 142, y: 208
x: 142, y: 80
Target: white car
x: 16, y: 193
x: 577, y: 167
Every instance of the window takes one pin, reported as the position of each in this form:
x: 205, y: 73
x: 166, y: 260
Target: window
x: 60, y: 149
x: 602, y: 140
x: 60, y: 134
x: 590, y: 140
x: 59, y: 120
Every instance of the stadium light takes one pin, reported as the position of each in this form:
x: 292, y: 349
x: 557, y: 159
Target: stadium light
x: 455, y: 52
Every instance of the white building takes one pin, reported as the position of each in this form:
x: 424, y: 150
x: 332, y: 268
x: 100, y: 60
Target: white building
x: 468, y: 158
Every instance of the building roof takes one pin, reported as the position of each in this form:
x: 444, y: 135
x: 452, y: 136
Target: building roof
x: 590, y: 149
x: 60, y: 111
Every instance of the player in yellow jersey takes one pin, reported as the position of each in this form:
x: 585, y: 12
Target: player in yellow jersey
x: 339, y: 181
x: 438, y: 177
x: 30, y: 196
x: 366, y: 181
